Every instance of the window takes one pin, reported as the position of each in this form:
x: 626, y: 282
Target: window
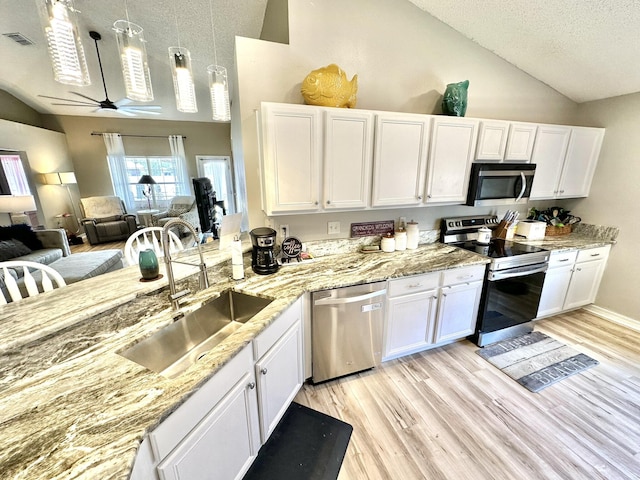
x: 13, y: 180
x: 164, y: 172
x: 218, y: 170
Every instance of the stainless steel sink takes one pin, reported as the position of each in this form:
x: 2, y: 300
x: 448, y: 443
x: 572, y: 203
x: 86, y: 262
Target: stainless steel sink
x: 176, y: 347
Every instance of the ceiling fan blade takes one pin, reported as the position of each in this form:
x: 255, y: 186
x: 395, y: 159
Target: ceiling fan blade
x: 67, y: 100
x: 135, y: 110
x: 75, y: 104
x: 126, y: 103
x: 84, y: 96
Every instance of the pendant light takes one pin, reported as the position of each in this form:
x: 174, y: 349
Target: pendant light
x: 218, y: 82
x: 63, y: 41
x: 180, y: 61
x: 133, y: 59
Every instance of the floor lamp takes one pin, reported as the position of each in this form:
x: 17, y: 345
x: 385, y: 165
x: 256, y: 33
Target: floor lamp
x: 147, y: 181
x: 66, y: 179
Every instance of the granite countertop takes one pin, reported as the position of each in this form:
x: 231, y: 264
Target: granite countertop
x: 73, y: 408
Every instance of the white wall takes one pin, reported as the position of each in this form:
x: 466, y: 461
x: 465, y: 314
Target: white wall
x: 47, y: 152
x: 614, y: 198
x: 404, y: 58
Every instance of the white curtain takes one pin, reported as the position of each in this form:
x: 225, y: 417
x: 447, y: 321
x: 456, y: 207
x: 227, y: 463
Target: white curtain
x: 182, y: 175
x: 118, y: 169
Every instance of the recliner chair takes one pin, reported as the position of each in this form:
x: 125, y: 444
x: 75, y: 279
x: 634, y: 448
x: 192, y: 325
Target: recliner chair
x: 184, y: 207
x: 105, y: 219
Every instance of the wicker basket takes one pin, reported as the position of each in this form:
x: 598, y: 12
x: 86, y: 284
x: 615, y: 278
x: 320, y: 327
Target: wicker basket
x: 552, y: 231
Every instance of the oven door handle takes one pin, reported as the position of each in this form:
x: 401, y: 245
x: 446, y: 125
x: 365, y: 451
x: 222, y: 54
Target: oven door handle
x: 524, y: 186
x: 521, y: 272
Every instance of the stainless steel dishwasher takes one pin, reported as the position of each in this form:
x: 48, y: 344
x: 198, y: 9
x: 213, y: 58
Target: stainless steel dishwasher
x: 347, y: 330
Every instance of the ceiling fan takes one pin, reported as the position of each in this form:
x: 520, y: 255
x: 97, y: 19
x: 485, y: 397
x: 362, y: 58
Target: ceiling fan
x: 121, y: 106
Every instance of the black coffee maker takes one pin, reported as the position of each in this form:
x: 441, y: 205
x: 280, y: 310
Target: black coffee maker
x: 263, y: 258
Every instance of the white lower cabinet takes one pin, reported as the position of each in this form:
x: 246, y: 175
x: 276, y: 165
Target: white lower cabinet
x: 223, y: 444
x: 218, y: 431
x: 586, y: 277
x: 457, y: 311
x: 280, y: 368
x: 411, y: 313
x: 427, y: 310
x: 572, y: 280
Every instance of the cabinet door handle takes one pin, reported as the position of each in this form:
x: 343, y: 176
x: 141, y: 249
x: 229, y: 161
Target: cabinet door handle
x: 564, y: 260
x: 315, y: 203
x: 328, y: 202
x: 415, y: 285
x: 419, y: 197
x: 251, y: 385
x: 595, y: 254
x: 578, y: 269
x: 263, y: 371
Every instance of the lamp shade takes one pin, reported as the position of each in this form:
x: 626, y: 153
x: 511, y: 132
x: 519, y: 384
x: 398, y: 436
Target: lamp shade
x: 147, y: 180
x: 133, y: 60
x: 219, y: 89
x: 52, y: 178
x: 63, y: 40
x: 67, y: 178
x: 17, y: 203
x: 180, y: 60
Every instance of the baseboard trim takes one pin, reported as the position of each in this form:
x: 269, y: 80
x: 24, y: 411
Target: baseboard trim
x: 614, y: 317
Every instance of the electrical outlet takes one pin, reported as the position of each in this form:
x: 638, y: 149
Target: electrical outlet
x: 284, y: 231
x: 333, y: 228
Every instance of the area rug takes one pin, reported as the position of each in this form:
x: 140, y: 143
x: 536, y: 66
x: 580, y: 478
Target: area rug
x: 535, y: 360
x: 305, y: 445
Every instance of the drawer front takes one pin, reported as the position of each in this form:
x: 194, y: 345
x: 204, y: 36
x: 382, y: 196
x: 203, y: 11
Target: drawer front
x: 559, y: 259
x: 414, y: 284
x: 593, y: 254
x: 463, y: 275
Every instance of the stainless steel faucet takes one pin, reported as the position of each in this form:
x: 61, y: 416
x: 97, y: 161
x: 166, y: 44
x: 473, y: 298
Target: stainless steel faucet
x: 203, y: 280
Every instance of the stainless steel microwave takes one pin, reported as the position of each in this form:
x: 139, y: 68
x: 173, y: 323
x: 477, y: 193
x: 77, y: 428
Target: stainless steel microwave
x: 500, y: 183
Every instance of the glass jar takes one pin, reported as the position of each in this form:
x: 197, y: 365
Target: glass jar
x: 388, y: 243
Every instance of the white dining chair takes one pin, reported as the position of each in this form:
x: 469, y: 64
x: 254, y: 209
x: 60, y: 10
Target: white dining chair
x: 49, y: 279
x: 149, y: 238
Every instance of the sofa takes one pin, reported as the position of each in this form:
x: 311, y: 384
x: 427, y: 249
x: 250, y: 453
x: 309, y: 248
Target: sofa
x: 51, y: 247
x: 105, y: 219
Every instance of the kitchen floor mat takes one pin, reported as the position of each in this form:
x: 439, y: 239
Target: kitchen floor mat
x: 305, y: 445
x: 536, y: 360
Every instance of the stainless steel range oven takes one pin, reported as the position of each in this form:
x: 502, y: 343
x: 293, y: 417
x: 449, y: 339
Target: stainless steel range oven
x: 513, y: 284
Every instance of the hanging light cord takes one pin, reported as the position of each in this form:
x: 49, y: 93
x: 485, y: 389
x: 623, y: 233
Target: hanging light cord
x: 126, y: 11
x: 213, y: 34
x: 175, y: 14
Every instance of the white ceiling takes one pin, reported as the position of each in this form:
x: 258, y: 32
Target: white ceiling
x: 585, y: 49
x: 25, y: 71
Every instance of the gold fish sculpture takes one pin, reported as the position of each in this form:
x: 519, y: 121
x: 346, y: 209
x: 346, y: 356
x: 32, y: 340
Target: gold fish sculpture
x: 328, y: 87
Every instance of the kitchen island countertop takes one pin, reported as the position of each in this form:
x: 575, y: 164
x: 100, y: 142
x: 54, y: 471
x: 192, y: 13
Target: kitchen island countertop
x: 73, y: 408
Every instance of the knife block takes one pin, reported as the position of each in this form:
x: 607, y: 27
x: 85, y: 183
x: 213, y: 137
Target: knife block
x: 501, y: 230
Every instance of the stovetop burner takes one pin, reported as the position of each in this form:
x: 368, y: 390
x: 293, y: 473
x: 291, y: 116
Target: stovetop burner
x: 462, y: 232
x: 499, y: 248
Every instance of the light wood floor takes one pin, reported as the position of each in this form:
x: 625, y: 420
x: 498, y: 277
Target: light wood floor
x: 86, y: 247
x: 448, y: 414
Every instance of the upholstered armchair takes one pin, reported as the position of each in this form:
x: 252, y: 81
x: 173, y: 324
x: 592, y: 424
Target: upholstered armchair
x: 183, y: 207
x: 105, y: 219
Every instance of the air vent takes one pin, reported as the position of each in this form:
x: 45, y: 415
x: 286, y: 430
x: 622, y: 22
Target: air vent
x: 18, y: 38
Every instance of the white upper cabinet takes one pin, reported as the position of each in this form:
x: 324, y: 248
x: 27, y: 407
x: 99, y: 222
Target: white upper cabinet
x: 548, y: 154
x: 348, y: 141
x: 505, y: 141
x: 291, y: 158
x: 492, y: 140
x: 520, y: 142
x: 580, y: 162
x: 451, y: 152
x: 400, y: 159
x: 566, y: 159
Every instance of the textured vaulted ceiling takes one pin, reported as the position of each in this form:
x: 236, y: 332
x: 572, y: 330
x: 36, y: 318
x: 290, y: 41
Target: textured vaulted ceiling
x: 585, y: 49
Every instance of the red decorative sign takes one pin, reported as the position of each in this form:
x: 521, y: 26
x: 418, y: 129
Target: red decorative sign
x: 366, y: 229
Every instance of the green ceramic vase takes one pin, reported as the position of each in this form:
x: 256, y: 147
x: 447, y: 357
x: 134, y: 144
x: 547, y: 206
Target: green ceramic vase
x: 148, y: 262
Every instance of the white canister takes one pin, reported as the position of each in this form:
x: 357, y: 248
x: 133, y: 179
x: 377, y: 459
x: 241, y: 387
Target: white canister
x: 237, y: 266
x: 388, y: 243
x: 401, y: 240
x: 413, y: 235
x: 484, y: 236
